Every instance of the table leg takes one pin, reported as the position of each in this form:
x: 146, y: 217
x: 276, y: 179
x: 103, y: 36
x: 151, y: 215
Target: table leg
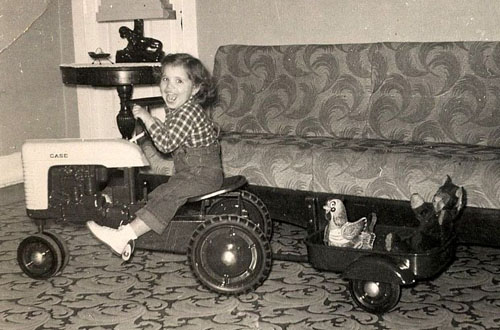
x: 125, y: 119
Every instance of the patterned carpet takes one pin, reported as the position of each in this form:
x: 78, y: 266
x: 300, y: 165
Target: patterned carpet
x: 158, y: 291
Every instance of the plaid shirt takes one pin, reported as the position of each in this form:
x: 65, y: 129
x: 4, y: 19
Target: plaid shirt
x: 187, y: 126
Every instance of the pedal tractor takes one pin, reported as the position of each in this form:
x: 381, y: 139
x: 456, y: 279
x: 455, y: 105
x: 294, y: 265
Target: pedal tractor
x: 226, y: 234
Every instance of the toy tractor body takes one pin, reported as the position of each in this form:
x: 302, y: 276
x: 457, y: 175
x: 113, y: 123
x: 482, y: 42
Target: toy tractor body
x: 78, y: 180
x: 225, y: 233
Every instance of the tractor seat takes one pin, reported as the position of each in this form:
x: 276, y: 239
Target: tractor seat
x: 230, y: 184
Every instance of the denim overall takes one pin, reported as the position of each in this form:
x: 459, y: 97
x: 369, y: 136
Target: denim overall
x: 197, y: 171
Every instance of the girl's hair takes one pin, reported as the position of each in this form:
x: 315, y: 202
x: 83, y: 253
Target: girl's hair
x: 198, y: 74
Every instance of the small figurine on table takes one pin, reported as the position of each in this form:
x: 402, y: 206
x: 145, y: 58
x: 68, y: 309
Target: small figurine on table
x: 340, y: 232
x: 436, y: 220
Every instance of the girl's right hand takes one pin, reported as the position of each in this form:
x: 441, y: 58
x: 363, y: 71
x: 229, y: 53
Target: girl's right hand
x: 142, y: 114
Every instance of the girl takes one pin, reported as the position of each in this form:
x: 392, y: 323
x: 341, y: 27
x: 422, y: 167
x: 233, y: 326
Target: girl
x: 190, y: 135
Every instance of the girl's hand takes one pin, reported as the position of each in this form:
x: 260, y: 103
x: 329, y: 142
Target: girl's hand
x: 142, y: 114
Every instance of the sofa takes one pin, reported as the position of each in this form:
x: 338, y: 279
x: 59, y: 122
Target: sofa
x: 380, y: 120
x: 377, y: 121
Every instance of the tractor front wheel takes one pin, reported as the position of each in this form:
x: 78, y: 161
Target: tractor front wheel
x: 40, y: 256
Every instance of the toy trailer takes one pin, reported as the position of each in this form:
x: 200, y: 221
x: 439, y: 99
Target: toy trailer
x: 376, y: 275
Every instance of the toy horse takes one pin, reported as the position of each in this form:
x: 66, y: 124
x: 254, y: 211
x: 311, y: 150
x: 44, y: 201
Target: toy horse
x: 139, y: 48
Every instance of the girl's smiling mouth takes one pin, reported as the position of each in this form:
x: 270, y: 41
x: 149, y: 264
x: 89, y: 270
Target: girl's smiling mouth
x: 171, y: 97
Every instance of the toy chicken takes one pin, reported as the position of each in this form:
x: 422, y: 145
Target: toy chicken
x: 340, y: 232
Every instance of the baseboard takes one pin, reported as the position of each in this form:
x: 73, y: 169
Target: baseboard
x: 11, y: 169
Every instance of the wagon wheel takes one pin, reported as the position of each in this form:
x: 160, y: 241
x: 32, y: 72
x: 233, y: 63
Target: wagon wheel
x: 229, y: 254
x: 375, y: 297
x: 253, y: 209
x: 39, y: 256
x: 62, y: 247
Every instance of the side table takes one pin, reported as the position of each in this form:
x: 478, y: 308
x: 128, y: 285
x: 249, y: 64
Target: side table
x: 122, y: 76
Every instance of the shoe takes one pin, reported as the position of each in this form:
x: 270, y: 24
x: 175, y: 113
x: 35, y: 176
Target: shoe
x: 120, y: 240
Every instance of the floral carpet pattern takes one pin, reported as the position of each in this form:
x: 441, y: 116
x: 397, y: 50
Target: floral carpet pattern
x: 158, y: 291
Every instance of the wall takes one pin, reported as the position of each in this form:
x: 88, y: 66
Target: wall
x: 267, y: 22
x: 33, y: 101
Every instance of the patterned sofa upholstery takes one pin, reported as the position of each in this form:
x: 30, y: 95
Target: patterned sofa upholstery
x: 375, y: 120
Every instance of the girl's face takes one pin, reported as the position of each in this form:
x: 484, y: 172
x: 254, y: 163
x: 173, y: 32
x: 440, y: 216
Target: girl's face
x: 176, y: 87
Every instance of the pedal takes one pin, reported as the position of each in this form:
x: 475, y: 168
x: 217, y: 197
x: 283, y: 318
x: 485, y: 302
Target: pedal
x: 128, y: 251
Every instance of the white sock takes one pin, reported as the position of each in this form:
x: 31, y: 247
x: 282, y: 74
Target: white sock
x: 128, y: 232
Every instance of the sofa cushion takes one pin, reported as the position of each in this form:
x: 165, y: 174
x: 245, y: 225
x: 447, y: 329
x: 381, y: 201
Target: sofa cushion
x: 395, y: 169
x: 370, y: 168
x: 319, y: 90
x: 268, y: 160
x: 438, y: 92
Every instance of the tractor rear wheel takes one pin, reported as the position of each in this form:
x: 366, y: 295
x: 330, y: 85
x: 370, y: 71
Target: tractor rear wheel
x: 252, y: 208
x: 229, y: 254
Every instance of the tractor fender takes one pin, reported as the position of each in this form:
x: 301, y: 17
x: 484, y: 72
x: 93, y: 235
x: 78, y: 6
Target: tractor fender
x: 380, y: 269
